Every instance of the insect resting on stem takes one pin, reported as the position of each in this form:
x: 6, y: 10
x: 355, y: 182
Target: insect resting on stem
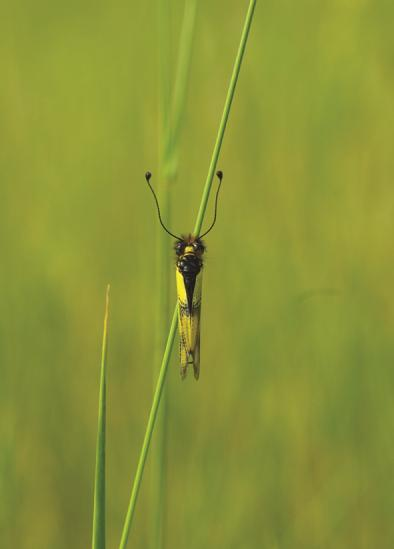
x: 189, y: 251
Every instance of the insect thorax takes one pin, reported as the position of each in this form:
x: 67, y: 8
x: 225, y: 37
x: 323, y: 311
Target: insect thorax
x: 189, y: 264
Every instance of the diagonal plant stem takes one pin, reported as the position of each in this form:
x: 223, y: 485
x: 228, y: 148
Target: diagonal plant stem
x: 149, y: 430
x: 225, y: 115
x: 197, y: 229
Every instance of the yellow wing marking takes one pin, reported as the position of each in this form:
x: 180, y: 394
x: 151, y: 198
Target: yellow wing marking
x: 189, y: 325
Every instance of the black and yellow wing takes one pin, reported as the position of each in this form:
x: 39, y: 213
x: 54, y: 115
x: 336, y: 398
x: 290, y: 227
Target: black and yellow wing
x: 189, y: 324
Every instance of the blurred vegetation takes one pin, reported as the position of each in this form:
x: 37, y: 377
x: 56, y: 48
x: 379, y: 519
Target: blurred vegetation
x: 286, y: 440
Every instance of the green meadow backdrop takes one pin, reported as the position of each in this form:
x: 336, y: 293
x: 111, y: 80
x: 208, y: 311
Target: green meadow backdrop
x: 287, y: 439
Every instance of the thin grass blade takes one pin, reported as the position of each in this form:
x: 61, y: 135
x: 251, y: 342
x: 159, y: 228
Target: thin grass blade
x: 98, y: 537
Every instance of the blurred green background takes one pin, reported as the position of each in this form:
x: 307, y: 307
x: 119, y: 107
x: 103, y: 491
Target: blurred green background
x: 287, y: 439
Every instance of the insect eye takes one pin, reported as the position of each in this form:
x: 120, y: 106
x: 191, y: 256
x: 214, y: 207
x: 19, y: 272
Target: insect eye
x: 198, y: 247
x: 179, y: 247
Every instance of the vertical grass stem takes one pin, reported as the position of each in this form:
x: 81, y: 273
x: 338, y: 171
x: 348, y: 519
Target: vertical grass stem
x: 171, y: 115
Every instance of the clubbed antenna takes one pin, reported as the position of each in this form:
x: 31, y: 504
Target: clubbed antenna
x: 148, y: 175
x: 219, y: 175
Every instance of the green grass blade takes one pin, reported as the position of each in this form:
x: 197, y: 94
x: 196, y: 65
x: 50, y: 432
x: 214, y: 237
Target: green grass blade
x: 171, y: 335
x: 98, y: 537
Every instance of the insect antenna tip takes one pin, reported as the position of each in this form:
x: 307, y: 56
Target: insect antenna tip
x: 219, y: 174
x: 148, y: 175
